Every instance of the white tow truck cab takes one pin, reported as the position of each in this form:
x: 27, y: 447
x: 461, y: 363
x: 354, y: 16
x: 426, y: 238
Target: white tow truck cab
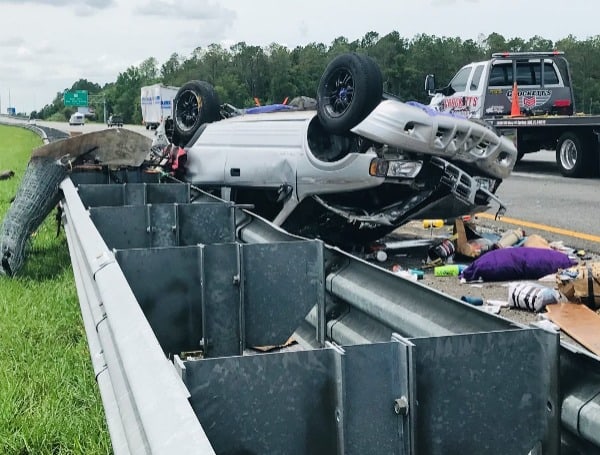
x: 485, y: 89
x: 542, y: 115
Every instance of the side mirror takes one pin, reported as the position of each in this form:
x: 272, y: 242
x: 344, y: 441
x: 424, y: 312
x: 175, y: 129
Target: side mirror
x: 430, y: 84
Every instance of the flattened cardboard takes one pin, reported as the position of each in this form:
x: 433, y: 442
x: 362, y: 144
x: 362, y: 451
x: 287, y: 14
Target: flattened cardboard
x: 579, y: 322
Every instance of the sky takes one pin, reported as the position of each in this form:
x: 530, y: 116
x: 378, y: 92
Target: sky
x: 47, y: 45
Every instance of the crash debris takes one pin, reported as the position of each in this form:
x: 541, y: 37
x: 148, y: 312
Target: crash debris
x: 580, y: 322
x: 509, y: 272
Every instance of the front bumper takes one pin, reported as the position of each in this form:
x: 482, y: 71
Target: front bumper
x: 417, y: 128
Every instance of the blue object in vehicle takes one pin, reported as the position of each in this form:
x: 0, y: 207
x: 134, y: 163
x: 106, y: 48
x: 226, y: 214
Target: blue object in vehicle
x: 268, y: 108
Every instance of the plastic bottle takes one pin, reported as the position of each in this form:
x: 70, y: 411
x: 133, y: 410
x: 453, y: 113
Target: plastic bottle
x: 418, y: 273
x: 430, y: 224
x: 477, y: 301
x: 449, y: 270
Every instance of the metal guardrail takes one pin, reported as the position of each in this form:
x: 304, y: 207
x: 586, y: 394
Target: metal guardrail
x: 145, y: 402
x: 149, y: 288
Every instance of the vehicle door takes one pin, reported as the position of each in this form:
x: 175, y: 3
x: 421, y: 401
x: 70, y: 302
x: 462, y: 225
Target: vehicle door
x: 263, y: 153
x: 465, y: 91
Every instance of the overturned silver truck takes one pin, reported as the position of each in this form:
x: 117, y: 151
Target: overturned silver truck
x: 347, y: 168
x: 223, y: 317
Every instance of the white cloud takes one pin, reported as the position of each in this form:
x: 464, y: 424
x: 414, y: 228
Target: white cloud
x: 203, y: 10
x: 94, y: 4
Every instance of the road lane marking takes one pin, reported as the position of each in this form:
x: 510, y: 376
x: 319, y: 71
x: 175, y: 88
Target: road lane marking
x: 541, y: 227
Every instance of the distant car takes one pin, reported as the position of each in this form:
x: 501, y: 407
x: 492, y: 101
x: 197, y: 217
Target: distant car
x: 77, y: 119
x: 115, y: 120
x: 350, y: 171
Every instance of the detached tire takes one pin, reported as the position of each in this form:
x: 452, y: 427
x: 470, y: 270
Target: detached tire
x: 348, y: 91
x: 571, y: 156
x: 196, y: 103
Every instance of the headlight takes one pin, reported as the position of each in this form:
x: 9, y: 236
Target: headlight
x: 378, y: 167
x: 486, y: 183
x: 394, y: 168
x: 404, y: 168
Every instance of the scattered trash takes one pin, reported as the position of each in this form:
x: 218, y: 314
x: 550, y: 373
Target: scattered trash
x: 408, y: 274
x: 559, y: 246
x: 494, y: 309
x: 579, y: 322
x: 404, y: 244
x: 510, y: 238
x: 581, y: 254
x: 433, y: 224
x: 449, y: 270
x: 546, y: 325
x: 290, y: 342
x: 418, y: 273
x: 381, y: 256
x: 468, y: 242
x: 536, y: 241
x: 476, y: 301
x: 581, y: 284
x: 376, y: 251
x: 550, y: 278
x: 531, y: 296
x: 5, y: 175
x: 441, y: 250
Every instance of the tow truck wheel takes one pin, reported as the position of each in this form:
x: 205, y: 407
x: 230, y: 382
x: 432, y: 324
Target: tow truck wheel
x: 196, y: 103
x: 348, y: 91
x: 570, y: 156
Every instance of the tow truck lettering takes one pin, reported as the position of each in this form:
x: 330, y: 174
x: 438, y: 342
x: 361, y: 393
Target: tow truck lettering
x: 531, y: 98
x: 520, y: 122
x: 495, y: 110
x: 461, y: 101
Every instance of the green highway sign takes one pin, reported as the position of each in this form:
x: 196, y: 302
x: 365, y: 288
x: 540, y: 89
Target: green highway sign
x: 76, y: 98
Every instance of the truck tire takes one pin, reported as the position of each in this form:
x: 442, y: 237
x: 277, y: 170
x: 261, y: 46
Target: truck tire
x: 348, y: 91
x: 196, y: 103
x: 571, y: 157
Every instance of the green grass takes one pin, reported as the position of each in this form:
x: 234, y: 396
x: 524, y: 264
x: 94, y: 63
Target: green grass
x: 49, y: 400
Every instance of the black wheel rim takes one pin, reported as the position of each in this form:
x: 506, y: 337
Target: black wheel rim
x: 188, y: 110
x: 339, y: 92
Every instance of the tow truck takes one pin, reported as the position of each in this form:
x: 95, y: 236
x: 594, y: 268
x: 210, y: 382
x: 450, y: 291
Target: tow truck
x: 540, y: 83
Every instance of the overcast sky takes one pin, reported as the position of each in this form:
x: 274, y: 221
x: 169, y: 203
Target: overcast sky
x: 47, y: 45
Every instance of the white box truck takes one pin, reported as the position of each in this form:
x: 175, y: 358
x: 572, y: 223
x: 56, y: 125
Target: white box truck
x: 157, y: 103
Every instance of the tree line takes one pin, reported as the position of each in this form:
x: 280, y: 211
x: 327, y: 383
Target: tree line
x: 244, y: 72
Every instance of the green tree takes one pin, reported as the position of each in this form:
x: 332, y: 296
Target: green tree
x: 170, y: 69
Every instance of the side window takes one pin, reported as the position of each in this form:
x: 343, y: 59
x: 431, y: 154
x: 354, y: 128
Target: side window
x: 525, y: 73
x: 501, y: 75
x: 550, y: 76
x: 528, y: 73
x: 476, y: 77
x: 459, y: 83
